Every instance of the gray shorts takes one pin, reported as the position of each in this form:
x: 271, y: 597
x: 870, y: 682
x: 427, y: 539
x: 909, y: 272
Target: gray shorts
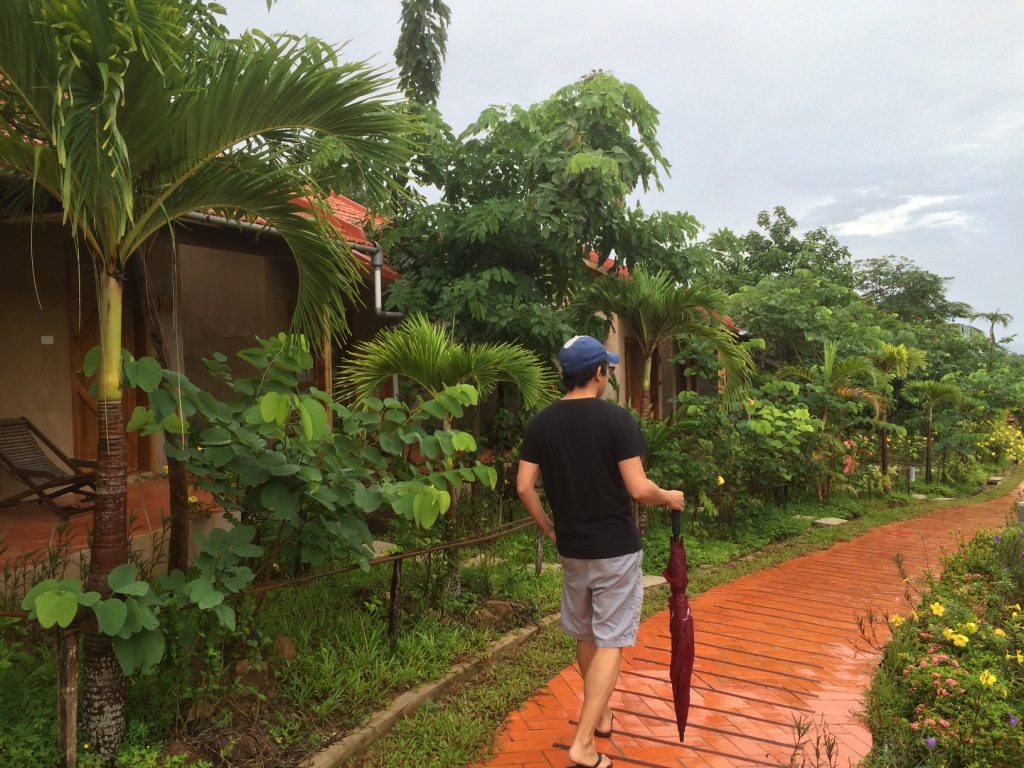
x: 601, y: 599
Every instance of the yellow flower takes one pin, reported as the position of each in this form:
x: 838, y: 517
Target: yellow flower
x: 896, y: 620
x: 193, y: 499
x: 960, y: 641
x: 948, y: 633
x: 987, y: 678
x: 916, y: 615
x: 971, y: 627
x: 721, y: 480
x: 937, y: 609
x: 1015, y: 607
x: 998, y: 632
x: 85, y: 745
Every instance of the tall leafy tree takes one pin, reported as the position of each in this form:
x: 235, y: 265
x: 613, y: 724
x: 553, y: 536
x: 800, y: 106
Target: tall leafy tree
x: 774, y: 249
x: 657, y: 309
x: 897, y: 285
x: 422, y: 46
x: 129, y: 116
x: 528, y: 192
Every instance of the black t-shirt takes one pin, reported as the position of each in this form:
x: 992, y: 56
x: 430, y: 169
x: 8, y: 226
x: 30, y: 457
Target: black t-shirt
x: 578, y: 445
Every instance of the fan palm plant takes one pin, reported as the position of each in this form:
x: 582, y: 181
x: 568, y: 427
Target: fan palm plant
x: 128, y: 117
x: 931, y: 395
x: 429, y: 355
x: 895, y: 361
x: 657, y: 309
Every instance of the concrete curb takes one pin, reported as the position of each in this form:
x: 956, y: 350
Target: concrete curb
x: 354, y: 744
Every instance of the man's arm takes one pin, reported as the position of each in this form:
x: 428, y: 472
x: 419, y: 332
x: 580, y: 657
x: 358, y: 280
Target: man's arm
x: 526, y: 487
x: 644, y: 490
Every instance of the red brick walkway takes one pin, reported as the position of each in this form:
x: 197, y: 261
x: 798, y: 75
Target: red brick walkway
x: 772, y: 647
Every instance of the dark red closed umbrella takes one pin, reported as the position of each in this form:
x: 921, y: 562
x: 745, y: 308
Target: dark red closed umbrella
x: 680, y: 624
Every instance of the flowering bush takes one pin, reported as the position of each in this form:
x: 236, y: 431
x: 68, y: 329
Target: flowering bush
x: 950, y: 690
x: 1004, y: 443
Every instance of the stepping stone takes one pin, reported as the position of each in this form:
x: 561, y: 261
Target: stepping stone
x: 995, y: 480
x: 826, y: 522
x: 483, y: 559
x: 942, y: 498
x: 384, y: 548
x: 653, y: 581
x: 918, y: 496
x: 808, y: 518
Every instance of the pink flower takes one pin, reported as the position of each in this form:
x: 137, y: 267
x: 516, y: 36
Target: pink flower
x: 914, y: 726
x: 951, y: 682
x: 923, y: 663
x: 930, y: 722
x: 944, y: 723
x: 942, y: 692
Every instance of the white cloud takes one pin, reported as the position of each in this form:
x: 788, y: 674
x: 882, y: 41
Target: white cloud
x: 905, y: 216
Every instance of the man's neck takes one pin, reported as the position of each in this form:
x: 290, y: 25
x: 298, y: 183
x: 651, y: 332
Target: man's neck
x: 581, y: 393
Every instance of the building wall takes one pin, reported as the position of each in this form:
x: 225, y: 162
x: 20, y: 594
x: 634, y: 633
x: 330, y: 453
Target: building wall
x: 228, y: 296
x: 36, y: 365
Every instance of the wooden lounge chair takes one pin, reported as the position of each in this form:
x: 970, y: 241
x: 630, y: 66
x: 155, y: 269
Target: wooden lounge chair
x: 22, y: 455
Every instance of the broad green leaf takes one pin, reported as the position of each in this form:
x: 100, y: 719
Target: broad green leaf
x: 122, y: 580
x: 91, y: 362
x: 429, y: 446
x: 424, y: 510
x: 56, y: 607
x: 110, y: 615
x: 148, y: 374
x: 278, y: 497
x: 140, y: 418
x: 436, y: 410
x: 463, y: 441
x: 46, y: 585
x: 306, y: 421
x: 215, y: 436
x: 269, y: 405
x: 225, y: 615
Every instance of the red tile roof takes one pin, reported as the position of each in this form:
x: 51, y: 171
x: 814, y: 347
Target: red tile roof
x: 349, y: 217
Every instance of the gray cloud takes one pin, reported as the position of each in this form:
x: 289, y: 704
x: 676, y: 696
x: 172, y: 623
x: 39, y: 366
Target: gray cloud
x: 900, y: 126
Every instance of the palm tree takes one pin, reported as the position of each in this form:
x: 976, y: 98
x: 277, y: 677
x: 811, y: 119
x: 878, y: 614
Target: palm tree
x: 129, y: 117
x: 930, y: 395
x: 428, y: 355
x: 994, y: 319
x: 843, y: 379
x: 895, y: 361
x: 656, y: 309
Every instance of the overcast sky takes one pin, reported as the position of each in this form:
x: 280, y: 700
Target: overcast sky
x: 897, y: 125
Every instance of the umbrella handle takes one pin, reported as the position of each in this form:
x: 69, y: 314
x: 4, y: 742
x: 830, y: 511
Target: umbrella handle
x: 677, y: 524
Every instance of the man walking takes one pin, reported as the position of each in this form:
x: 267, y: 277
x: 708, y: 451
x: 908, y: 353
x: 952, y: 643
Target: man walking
x: 590, y: 454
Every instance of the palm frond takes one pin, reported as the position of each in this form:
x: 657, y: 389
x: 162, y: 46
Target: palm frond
x: 429, y: 355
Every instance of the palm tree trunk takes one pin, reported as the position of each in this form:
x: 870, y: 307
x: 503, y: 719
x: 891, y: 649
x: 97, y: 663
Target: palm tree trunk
x: 928, y: 453
x: 103, y: 708
x: 883, y: 450
x: 177, y: 475
x: 645, y: 389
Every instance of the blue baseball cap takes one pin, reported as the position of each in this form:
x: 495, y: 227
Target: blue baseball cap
x: 581, y: 352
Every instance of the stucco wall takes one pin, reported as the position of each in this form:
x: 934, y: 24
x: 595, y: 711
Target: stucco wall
x: 35, y: 367
x: 229, y: 297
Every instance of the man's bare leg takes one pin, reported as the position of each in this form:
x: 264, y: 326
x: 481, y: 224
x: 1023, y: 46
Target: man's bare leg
x: 602, y: 670
x: 584, y: 653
